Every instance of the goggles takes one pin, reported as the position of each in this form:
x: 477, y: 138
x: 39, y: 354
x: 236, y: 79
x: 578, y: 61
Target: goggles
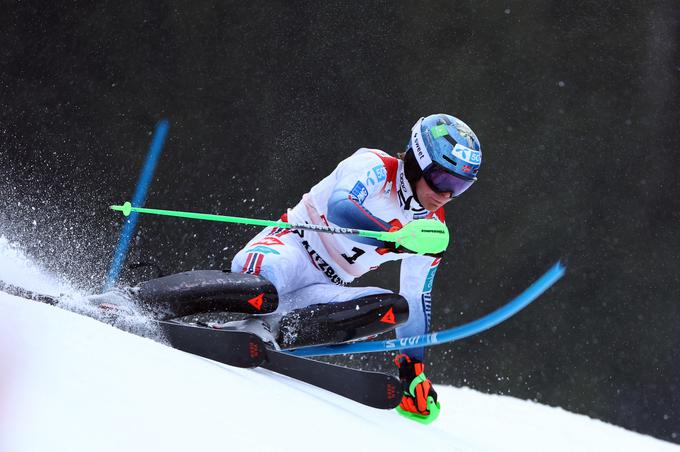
x: 443, y: 181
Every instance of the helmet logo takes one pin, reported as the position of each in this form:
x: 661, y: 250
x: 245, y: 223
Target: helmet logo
x: 439, y: 131
x: 466, y: 154
x: 418, y: 146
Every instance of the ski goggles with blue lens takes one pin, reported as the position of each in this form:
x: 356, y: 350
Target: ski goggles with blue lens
x: 442, y: 181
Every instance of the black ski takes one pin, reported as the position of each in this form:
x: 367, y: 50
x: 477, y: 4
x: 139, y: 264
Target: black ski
x: 243, y: 349
x: 236, y: 348
x: 375, y: 389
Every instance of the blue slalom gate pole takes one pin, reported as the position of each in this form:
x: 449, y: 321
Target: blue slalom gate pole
x: 137, y: 201
x: 453, y: 334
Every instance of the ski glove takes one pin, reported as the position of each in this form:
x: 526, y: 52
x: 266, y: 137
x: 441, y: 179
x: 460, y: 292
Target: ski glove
x: 419, y: 401
x: 391, y: 247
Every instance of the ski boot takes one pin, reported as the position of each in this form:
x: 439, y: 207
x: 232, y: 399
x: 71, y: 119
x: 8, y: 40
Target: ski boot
x: 419, y: 400
x: 255, y: 325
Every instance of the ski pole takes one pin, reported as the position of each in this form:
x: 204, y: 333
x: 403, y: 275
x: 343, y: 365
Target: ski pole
x: 486, y: 322
x: 420, y: 236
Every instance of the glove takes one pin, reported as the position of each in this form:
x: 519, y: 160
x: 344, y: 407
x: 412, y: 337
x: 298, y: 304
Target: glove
x: 391, y: 247
x: 419, y: 401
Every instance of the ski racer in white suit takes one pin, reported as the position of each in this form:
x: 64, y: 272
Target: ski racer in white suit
x: 375, y: 191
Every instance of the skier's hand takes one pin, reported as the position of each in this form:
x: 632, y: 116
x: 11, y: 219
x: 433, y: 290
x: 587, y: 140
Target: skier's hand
x: 419, y: 401
x: 391, y: 247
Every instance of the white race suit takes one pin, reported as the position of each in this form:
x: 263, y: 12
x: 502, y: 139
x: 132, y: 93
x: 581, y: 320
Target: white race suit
x: 368, y: 190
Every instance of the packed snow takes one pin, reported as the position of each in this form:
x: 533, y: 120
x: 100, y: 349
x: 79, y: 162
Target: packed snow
x: 71, y: 383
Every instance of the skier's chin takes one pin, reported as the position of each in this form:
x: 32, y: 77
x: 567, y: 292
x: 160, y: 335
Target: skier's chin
x: 432, y: 205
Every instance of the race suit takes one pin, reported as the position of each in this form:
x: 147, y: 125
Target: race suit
x: 368, y: 191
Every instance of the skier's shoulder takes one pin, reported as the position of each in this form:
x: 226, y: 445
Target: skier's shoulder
x: 369, y: 156
x: 380, y: 162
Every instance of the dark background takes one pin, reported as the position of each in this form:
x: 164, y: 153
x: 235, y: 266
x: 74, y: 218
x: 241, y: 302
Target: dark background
x: 576, y: 105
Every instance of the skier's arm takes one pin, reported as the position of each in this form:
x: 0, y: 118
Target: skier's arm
x: 358, y: 179
x: 417, y: 277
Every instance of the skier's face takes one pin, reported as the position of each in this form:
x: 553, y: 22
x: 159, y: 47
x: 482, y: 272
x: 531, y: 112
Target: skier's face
x: 429, y: 198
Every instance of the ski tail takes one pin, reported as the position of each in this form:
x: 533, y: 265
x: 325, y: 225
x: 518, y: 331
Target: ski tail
x: 374, y: 389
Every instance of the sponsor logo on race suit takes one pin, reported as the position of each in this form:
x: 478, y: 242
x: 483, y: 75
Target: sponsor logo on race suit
x: 360, y: 192
x: 376, y: 175
x: 405, y: 202
x: 319, y: 261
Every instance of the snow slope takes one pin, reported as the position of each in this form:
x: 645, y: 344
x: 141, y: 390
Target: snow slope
x: 71, y: 383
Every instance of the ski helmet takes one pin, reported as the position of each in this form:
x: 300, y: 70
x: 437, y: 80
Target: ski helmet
x: 447, y: 151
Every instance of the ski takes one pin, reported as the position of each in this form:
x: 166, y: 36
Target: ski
x: 235, y: 348
x: 243, y: 349
x: 374, y: 389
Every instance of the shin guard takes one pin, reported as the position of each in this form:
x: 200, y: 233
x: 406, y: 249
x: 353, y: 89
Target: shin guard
x: 203, y: 291
x: 333, y: 323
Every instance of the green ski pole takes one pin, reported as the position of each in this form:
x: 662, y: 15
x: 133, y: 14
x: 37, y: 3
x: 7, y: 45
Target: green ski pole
x: 420, y: 236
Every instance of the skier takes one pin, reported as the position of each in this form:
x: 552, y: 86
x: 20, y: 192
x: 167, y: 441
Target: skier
x: 374, y: 191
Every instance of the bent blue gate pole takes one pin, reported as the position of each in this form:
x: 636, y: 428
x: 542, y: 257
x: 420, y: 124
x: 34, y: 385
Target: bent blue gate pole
x: 453, y: 334
x: 137, y: 201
